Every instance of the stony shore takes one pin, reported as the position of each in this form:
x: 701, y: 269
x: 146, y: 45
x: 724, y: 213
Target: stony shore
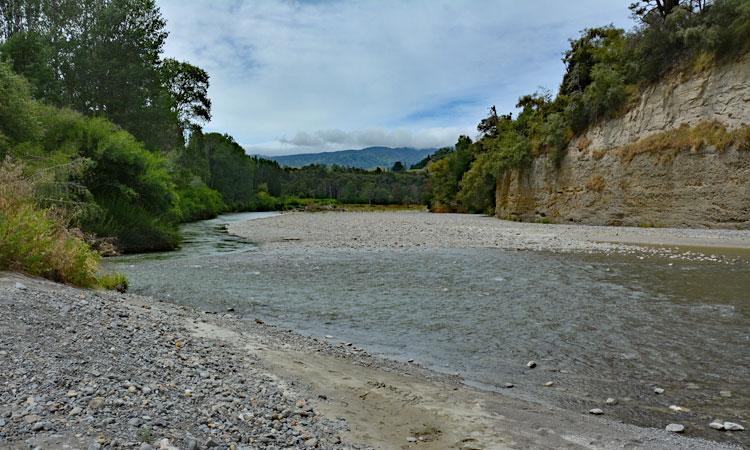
x: 90, y: 369
x: 99, y: 370
x: 422, y: 229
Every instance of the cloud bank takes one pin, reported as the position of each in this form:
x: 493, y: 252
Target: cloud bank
x: 304, y: 76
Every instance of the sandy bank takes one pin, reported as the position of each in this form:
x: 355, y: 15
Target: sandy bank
x: 421, y: 229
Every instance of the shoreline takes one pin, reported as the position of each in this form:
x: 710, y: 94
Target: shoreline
x: 424, y: 229
x: 333, y: 396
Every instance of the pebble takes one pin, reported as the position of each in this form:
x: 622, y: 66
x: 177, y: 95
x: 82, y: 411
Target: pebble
x: 611, y: 401
x: 676, y: 408
x: 716, y: 425
x: 731, y: 426
x: 658, y: 390
x: 725, y: 394
x: 411, y: 439
x: 21, y: 286
x: 39, y: 426
x: 508, y: 385
x: 549, y: 384
x: 596, y: 411
x: 531, y: 364
x: 75, y: 411
x: 675, y: 428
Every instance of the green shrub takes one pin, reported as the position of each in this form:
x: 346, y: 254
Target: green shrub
x: 113, y: 282
x: 36, y: 241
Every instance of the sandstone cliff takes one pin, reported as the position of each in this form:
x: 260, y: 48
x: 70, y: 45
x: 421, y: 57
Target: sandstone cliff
x: 598, y: 182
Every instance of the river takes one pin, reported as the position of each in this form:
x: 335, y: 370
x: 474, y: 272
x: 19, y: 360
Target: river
x: 598, y: 326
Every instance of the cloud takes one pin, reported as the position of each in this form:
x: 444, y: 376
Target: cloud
x: 326, y: 140
x: 387, y: 69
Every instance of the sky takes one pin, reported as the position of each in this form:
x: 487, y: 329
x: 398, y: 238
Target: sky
x: 306, y: 76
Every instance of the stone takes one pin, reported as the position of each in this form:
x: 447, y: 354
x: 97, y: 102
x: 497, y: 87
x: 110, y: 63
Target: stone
x: 411, y: 439
x: 531, y: 364
x: 549, y: 384
x: 41, y: 425
x: 96, y: 403
x: 725, y: 394
x: 75, y: 411
x: 675, y: 428
x: 145, y: 446
x: 21, y: 286
x: 731, y: 426
x: 191, y: 444
x: 658, y: 390
x: 676, y: 408
x: 135, y: 422
x: 596, y: 411
x: 611, y: 401
x: 716, y: 425
x: 508, y: 385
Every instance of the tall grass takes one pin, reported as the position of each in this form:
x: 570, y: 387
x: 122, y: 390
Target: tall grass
x: 36, y: 240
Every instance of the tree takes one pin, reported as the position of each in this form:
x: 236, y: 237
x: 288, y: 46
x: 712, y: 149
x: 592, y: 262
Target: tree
x: 644, y: 9
x: 398, y: 166
x: 188, y: 86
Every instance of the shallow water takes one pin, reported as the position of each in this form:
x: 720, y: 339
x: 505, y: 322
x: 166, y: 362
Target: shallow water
x: 598, y: 326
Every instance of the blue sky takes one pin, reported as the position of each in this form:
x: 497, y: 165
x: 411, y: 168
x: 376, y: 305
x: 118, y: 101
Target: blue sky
x: 305, y: 76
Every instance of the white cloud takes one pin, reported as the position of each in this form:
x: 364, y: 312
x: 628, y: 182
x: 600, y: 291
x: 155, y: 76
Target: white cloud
x: 390, y: 72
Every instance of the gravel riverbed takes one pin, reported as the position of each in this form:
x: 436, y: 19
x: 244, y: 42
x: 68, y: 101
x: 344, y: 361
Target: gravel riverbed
x: 89, y: 370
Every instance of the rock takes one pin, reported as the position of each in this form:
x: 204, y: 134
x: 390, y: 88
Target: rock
x: 191, y: 444
x: 676, y: 408
x: 531, y: 364
x: 675, y: 428
x: 658, y: 390
x: 2, y: 423
x: 716, y: 425
x: 411, y: 439
x: 75, y: 411
x: 145, y: 446
x: 96, y: 403
x: 21, y: 286
x: 596, y: 411
x: 725, y: 394
x: 41, y: 425
x: 508, y: 385
x: 549, y: 384
x: 731, y: 426
x: 135, y: 422
x: 71, y: 394
x: 165, y: 445
x: 611, y: 401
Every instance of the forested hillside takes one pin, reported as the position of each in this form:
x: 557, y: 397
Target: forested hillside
x: 108, y: 130
x: 606, y: 69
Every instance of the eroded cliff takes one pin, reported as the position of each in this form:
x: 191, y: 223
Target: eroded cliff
x: 635, y: 171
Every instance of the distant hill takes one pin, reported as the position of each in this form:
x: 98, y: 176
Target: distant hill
x: 366, y: 158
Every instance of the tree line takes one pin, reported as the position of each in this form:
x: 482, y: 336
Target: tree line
x: 605, y: 70
x: 90, y: 105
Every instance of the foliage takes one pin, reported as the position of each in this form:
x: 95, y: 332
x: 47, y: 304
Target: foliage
x: 36, y: 241
x: 605, y: 70
x: 114, y: 282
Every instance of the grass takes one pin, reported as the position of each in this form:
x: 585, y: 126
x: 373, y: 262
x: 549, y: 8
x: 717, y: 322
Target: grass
x: 37, y: 241
x: 596, y: 183
x: 668, y: 144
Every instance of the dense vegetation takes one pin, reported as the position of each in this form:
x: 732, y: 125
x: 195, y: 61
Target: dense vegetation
x: 606, y: 68
x: 88, y: 99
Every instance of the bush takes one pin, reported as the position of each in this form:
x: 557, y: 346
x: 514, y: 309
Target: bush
x: 114, y: 282
x: 36, y: 241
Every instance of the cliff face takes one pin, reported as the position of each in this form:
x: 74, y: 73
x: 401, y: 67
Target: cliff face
x: 599, y: 183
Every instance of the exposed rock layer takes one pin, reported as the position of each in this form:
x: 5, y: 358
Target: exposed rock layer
x: 595, y: 184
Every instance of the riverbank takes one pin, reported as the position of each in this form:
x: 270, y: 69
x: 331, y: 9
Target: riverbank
x: 91, y: 369
x: 422, y: 229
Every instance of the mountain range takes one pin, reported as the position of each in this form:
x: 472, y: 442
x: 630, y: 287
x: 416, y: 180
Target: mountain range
x: 366, y: 158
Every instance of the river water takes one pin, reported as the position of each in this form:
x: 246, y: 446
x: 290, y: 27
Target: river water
x: 598, y: 326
